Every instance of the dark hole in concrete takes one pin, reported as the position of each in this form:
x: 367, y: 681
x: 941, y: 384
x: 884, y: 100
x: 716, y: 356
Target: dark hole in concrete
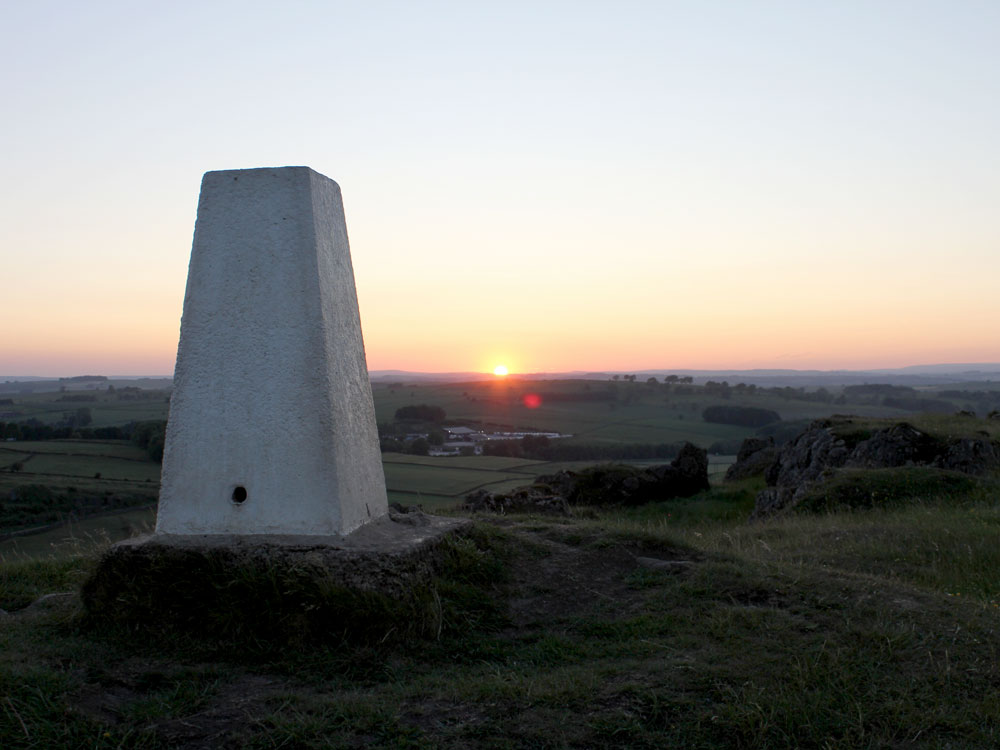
x: 239, y: 494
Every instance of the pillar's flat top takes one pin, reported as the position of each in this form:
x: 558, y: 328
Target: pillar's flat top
x: 261, y: 170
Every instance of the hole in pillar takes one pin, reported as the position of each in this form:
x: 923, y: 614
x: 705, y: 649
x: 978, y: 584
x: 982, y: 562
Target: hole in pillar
x: 239, y: 494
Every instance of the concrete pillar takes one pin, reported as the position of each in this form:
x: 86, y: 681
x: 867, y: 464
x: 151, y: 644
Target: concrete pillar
x: 272, y: 426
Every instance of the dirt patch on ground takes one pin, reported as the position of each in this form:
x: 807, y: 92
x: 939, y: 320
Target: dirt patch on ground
x: 231, y: 706
x: 237, y: 706
x: 566, y: 580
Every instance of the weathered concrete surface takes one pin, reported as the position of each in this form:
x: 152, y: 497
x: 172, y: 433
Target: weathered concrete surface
x: 272, y: 425
x: 393, y: 535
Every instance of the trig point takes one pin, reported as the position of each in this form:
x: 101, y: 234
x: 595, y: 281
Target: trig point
x: 273, y: 517
x: 272, y: 426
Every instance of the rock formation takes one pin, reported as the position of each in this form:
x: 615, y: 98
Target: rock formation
x: 754, y: 457
x: 606, y: 484
x: 819, y: 451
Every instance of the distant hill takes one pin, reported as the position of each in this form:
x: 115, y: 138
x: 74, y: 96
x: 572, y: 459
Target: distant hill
x: 913, y: 375
x: 34, y: 384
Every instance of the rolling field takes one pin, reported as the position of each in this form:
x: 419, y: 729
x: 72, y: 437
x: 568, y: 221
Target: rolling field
x: 112, y: 459
x: 79, y: 537
x: 586, y: 410
x: 640, y: 413
x: 118, y: 449
x: 108, y: 410
x: 68, y: 469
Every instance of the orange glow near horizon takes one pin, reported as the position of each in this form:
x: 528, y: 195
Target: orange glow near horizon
x: 63, y: 347
x: 786, y: 206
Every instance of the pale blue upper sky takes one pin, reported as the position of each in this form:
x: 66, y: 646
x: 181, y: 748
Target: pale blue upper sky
x: 612, y: 185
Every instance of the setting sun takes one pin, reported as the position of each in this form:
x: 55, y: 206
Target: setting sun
x: 500, y: 370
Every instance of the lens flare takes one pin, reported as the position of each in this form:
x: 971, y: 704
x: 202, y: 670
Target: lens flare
x: 531, y: 400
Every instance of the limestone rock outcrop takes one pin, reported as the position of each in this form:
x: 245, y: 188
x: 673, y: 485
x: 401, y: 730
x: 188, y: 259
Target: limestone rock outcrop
x: 529, y: 499
x: 819, y: 452
x: 799, y: 463
x: 606, y: 484
x: 754, y: 457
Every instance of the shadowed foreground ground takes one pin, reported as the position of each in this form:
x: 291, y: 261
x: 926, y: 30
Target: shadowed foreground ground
x: 616, y: 630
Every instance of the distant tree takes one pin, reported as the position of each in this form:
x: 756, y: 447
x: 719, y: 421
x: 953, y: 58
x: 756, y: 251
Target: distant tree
x: 421, y: 412
x: 652, y: 381
x: 149, y: 435
x: 436, y: 437
x: 744, y: 416
x: 390, y: 445
x: 534, y: 444
x: 418, y: 447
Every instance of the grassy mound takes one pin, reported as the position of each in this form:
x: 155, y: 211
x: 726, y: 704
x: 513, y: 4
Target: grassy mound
x: 856, y: 489
x: 271, y: 597
x: 672, y: 624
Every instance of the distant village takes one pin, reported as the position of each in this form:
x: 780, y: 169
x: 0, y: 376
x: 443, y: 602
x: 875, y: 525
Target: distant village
x: 466, y: 441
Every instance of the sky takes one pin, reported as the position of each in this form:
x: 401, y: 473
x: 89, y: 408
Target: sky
x: 549, y: 185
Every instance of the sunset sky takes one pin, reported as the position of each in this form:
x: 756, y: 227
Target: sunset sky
x: 548, y: 185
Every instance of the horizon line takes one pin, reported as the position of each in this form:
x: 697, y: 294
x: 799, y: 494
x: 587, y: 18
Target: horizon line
x: 940, y: 366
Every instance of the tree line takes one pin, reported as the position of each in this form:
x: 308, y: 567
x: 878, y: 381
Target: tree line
x: 148, y: 435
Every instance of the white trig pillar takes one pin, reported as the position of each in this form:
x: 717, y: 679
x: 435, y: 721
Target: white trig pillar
x: 272, y: 426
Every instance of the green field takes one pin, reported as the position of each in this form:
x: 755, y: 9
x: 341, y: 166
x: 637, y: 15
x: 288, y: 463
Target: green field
x: 118, y: 449
x: 69, y: 469
x: 113, y: 459
x: 640, y: 414
x: 81, y: 537
x: 108, y: 410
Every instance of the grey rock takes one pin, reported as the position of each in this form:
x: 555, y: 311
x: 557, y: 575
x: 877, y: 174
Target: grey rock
x: 754, y: 457
x: 899, y: 445
x: 605, y: 484
x: 817, y: 453
x: 976, y: 456
x: 530, y: 499
x: 800, y: 462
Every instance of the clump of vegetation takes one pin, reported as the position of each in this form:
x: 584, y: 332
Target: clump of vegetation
x: 420, y: 413
x: 854, y: 489
x: 24, y: 581
x: 744, y: 416
x: 941, y: 426
x: 150, y: 435
x: 33, y: 505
